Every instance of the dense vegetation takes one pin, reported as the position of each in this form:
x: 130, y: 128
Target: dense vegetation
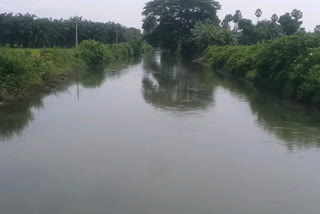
x: 277, y: 53
x: 190, y: 26
x: 21, y: 70
x: 93, y: 52
x: 29, y: 31
x: 168, y: 24
x: 290, y: 64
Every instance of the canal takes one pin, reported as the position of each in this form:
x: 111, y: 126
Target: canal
x: 159, y: 135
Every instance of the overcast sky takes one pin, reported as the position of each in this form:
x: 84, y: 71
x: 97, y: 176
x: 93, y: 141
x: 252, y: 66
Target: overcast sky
x: 128, y: 12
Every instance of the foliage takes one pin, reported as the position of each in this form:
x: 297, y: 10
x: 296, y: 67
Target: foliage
x: 237, y: 60
x: 290, y: 22
x: 274, y: 18
x: 146, y: 47
x: 24, y: 69
x: 268, y: 30
x: 237, y: 16
x: 29, y: 31
x: 317, y: 30
x: 21, y: 70
x: 205, y: 34
x: 227, y: 19
x: 176, y: 25
x: 168, y: 22
x: 258, y: 13
x: 289, y: 64
x: 95, y: 53
x: 249, y: 33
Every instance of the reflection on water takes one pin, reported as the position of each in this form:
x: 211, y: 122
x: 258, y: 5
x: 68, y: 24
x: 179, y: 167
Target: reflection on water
x: 13, y: 120
x: 16, y: 117
x: 161, y: 135
x: 295, y: 124
x: 174, y: 85
x: 96, y: 76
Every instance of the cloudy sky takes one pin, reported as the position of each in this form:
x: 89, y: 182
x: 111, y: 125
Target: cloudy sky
x: 128, y: 12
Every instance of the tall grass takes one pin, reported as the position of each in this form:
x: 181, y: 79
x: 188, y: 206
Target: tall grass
x: 21, y: 70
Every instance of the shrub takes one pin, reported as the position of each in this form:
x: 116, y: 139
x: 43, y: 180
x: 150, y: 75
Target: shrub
x: 93, y: 52
x: 22, y: 69
x: 276, y: 60
x: 146, y: 47
x: 290, y: 64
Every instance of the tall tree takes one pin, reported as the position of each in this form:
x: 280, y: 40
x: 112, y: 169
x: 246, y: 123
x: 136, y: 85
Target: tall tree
x: 317, y: 30
x: 291, y: 22
x: 258, y: 14
x: 227, y: 19
x: 167, y: 23
x: 236, y: 19
x: 248, y: 34
x: 29, y: 31
x: 297, y: 14
x: 267, y: 30
x: 274, y: 18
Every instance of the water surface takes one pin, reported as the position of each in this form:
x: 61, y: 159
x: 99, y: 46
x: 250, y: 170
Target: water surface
x: 159, y: 135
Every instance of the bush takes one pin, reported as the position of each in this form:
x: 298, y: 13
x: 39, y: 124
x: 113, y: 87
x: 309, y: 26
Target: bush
x: 238, y: 60
x: 22, y: 69
x: 146, y: 47
x: 278, y: 57
x: 95, y: 53
x: 290, y: 64
x: 205, y: 34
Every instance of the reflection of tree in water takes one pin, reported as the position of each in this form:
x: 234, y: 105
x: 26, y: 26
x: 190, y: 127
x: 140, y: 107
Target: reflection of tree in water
x: 96, y: 76
x: 174, y: 85
x: 297, y: 125
x: 16, y: 117
x: 92, y: 79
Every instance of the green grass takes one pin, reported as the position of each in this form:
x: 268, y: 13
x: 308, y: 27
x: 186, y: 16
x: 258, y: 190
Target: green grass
x: 22, y: 70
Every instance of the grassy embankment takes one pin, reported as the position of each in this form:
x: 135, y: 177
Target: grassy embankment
x: 288, y: 64
x: 23, y: 71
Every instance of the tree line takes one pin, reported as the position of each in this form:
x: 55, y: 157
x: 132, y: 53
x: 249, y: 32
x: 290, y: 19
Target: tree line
x: 188, y: 24
x: 30, y: 31
x: 249, y: 33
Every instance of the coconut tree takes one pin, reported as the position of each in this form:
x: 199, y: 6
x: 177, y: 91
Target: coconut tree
x: 258, y: 14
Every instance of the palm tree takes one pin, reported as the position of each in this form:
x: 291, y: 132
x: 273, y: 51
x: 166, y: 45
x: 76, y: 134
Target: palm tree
x: 236, y: 19
x: 258, y: 14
